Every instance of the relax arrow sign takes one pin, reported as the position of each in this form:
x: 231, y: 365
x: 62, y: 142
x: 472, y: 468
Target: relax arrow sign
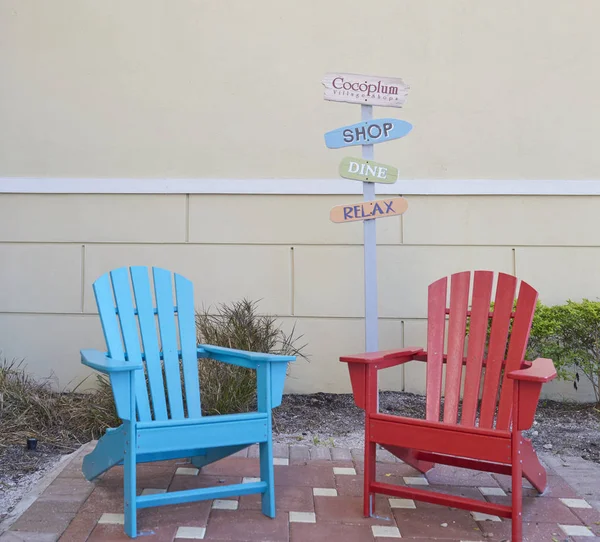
x: 367, y: 171
x: 368, y: 209
x: 367, y: 133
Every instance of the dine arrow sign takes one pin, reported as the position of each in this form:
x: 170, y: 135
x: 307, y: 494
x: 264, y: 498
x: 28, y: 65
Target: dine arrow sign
x: 367, y: 171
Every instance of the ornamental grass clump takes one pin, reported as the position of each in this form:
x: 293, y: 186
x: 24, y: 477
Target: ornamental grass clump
x: 228, y: 388
x: 32, y: 408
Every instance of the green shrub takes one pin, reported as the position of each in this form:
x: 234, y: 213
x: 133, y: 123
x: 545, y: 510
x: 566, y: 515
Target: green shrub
x: 228, y: 388
x: 569, y: 334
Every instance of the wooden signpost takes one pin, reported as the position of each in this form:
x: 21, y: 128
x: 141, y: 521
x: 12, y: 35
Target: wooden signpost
x: 367, y: 171
x: 368, y: 209
x: 367, y: 91
x: 367, y: 133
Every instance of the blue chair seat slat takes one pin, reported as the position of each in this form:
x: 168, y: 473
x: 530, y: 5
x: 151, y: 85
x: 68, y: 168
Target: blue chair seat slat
x: 186, y: 319
x: 169, y: 438
x: 151, y: 354
x: 205, y: 420
x: 163, y: 290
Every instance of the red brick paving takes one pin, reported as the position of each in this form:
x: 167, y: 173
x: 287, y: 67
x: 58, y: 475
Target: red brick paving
x: 329, y: 532
x: 306, y: 476
x: 183, y: 482
x: 349, y: 510
x: 349, y: 486
x: 589, y: 516
x: 459, y: 491
x: 439, y: 522
x: 542, y: 510
x: 445, y: 475
x: 532, y: 532
x: 233, y: 466
x: 81, y: 527
x: 193, y: 514
x: 72, y: 506
x: 249, y: 524
x: 289, y: 498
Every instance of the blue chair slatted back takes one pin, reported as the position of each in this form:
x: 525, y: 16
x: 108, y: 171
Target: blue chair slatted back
x: 144, y: 322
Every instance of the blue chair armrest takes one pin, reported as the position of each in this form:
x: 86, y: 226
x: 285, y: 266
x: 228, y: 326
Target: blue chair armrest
x: 240, y: 357
x: 101, y: 362
x: 271, y: 370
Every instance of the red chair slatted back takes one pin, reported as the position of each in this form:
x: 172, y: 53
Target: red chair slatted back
x: 490, y: 354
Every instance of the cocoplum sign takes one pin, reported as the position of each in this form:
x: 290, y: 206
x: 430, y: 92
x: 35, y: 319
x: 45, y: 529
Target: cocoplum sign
x: 365, y: 89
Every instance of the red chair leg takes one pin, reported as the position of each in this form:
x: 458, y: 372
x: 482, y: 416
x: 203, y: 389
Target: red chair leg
x: 532, y: 468
x: 371, y: 406
x: 517, y: 474
x: 370, y: 466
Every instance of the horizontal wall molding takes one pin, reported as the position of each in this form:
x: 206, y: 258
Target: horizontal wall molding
x: 435, y: 187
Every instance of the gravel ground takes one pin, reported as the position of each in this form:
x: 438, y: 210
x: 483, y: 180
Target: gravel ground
x: 333, y: 420
x: 325, y: 419
x: 20, y: 470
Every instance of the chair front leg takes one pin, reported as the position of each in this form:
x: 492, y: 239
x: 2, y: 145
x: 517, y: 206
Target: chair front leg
x: 129, y: 465
x: 264, y: 400
x: 371, y: 407
x: 517, y: 471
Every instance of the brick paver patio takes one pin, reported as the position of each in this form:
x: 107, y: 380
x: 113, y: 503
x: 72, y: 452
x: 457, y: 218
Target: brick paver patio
x: 318, y: 499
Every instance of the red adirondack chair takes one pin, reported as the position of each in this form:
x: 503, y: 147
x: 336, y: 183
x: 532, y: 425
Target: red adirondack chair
x: 488, y: 435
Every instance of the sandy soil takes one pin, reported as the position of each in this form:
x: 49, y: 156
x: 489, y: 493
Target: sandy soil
x: 20, y: 470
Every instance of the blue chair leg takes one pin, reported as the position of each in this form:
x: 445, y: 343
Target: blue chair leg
x: 267, y: 475
x: 129, y: 481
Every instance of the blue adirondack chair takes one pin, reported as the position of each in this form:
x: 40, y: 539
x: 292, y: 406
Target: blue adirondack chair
x: 158, y: 424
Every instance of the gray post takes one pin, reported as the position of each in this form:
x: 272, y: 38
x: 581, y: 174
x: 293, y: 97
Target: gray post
x: 370, y: 248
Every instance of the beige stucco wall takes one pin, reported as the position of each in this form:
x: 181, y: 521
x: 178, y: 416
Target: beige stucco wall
x: 305, y: 269
x: 213, y: 88
x: 221, y: 90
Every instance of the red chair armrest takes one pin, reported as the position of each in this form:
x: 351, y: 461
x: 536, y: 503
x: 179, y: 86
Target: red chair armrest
x: 360, y: 365
x: 393, y: 356
x: 528, y: 384
x: 542, y: 370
